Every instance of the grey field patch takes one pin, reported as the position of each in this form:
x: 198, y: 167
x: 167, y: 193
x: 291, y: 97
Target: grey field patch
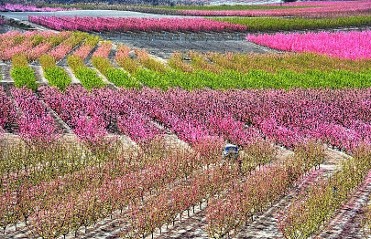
x: 164, y: 49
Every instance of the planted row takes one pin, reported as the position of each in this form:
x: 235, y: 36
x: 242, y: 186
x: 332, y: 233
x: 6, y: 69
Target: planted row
x: 271, y: 63
x: 34, y: 122
x: 32, y: 44
x: 349, y: 45
x: 171, y: 202
x: 22, y: 74
x: 89, y: 44
x: 241, y: 71
x: 87, y: 76
x: 7, y: 112
x: 74, y: 39
x: 305, y: 216
x: 55, y: 75
x: 255, y: 79
x: 36, y: 176
x: 134, y: 24
x: 336, y: 117
x: 117, y: 76
x: 110, y: 194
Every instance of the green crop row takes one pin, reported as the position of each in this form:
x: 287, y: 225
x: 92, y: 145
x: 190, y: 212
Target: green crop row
x: 228, y: 71
x: 59, y: 38
x: 254, y: 79
x: 92, y: 40
x: 255, y: 24
x: 76, y: 38
x: 55, y: 75
x: 117, y: 76
x: 22, y: 73
x: 87, y: 76
x: 216, y: 62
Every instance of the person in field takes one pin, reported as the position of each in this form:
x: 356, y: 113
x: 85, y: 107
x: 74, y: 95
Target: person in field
x: 230, y: 154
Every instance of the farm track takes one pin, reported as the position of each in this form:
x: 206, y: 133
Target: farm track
x: 174, y: 36
x: 112, y: 55
x: 5, y: 70
x: 87, y: 60
x: 63, y: 61
x: 39, y: 75
x: 1, y: 71
x: 72, y: 76
x: 346, y: 223
x: 188, y: 227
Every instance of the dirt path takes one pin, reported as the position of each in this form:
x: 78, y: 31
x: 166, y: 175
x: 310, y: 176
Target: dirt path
x: 164, y: 48
x: 5, y: 69
x: 192, y: 227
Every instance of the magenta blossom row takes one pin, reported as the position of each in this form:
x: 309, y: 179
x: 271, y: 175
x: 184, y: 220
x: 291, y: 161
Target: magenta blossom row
x: 134, y: 24
x: 338, y: 117
x: 35, y: 124
x: 349, y: 45
x: 7, y: 111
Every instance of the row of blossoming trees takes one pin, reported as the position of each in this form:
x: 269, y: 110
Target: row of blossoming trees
x: 227, y: 117
x: 240, y: 116
x: 100, y: 24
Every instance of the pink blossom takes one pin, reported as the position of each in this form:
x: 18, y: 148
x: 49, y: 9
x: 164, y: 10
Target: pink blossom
x: 349, y: 45
x: 134, y: 24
